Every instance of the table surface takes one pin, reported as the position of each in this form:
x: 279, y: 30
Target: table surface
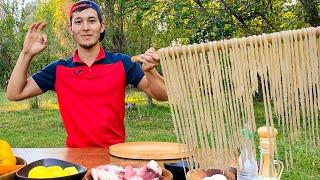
x: 88, y: 157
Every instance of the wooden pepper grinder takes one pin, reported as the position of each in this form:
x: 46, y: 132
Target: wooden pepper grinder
x: 268, y: 146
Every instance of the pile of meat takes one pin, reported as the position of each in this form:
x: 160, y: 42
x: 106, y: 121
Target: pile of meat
x: 151, y: 171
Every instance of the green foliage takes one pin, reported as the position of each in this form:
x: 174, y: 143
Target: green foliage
x: 10, y: 26
x: 60, y: 44
x: 135, y: 25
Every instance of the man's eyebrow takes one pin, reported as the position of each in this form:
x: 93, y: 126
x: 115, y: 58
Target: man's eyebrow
x: 90, y: 17
x: 77, y: 18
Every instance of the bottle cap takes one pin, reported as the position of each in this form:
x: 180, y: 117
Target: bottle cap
x: 267, y: 132
x: 249, y: 133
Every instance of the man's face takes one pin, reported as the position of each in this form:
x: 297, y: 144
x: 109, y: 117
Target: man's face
x: 86, y: 28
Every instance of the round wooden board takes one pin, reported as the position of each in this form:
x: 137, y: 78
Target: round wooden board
x: 149, y: 150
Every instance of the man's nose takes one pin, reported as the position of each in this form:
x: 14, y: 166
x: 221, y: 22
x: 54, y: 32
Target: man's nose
x: 85, y: 25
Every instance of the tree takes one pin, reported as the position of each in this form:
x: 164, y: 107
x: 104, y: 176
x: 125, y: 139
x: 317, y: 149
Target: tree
x: 311, y: 12
x: 135, y: 25
x: 60, y: 44
x: 12, y: 21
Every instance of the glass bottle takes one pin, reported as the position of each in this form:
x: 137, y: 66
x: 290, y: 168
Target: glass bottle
x: 247, y: 164
x: 268, y: 146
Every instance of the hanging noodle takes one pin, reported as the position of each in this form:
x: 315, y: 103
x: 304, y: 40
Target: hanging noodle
x: 211, y: 88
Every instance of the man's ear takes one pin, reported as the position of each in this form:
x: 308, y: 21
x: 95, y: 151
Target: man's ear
x: 103, y: 27
x: 70, y: 29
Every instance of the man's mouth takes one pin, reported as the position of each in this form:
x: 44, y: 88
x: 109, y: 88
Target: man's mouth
x: 87, y: 36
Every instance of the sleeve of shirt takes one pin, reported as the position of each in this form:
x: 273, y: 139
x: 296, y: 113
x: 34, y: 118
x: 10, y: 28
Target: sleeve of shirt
x: 46, y: 77
x: 134, y: 72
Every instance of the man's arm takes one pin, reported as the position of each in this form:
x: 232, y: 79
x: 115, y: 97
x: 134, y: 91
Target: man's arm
x: 152, y: 83
x: 20, y: 86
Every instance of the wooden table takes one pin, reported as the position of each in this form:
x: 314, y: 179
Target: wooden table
x: 88, y: 157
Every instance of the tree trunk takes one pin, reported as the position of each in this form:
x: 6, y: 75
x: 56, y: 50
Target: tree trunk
x: 33, y: 102
x: 116, y: 25
x: 311, y: 13
x: 150, y: 101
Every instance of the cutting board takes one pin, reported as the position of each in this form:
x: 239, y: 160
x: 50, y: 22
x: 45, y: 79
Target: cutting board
x: 149, y: 150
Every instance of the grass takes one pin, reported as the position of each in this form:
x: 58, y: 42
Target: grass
x: 23, y: 127
x: 43, y: 127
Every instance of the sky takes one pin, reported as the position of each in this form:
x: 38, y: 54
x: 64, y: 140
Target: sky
x: 25, y: 1
x: 22, y: 0
x: 29, y: 0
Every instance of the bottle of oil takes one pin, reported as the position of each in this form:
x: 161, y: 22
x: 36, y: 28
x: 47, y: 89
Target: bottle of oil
x: 268, y: 145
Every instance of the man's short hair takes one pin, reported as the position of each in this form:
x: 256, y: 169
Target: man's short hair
x: 85, y: 4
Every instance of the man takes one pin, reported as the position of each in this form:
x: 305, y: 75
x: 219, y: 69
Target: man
x: 90, y: 86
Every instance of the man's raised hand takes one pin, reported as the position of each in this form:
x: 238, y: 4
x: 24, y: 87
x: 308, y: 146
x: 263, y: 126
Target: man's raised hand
x: 35, y: 40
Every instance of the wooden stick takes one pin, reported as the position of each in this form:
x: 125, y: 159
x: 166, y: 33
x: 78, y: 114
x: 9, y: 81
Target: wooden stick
x: 228, y: 42
x: 135, y: 58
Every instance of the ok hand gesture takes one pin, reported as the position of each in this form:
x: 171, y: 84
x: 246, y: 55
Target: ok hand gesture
x: 35, y: 40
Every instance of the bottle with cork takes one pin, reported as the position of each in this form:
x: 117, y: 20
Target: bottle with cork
x: 269, y: 168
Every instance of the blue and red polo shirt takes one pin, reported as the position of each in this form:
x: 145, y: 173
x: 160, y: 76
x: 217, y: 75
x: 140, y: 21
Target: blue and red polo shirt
x: 91, y: 99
